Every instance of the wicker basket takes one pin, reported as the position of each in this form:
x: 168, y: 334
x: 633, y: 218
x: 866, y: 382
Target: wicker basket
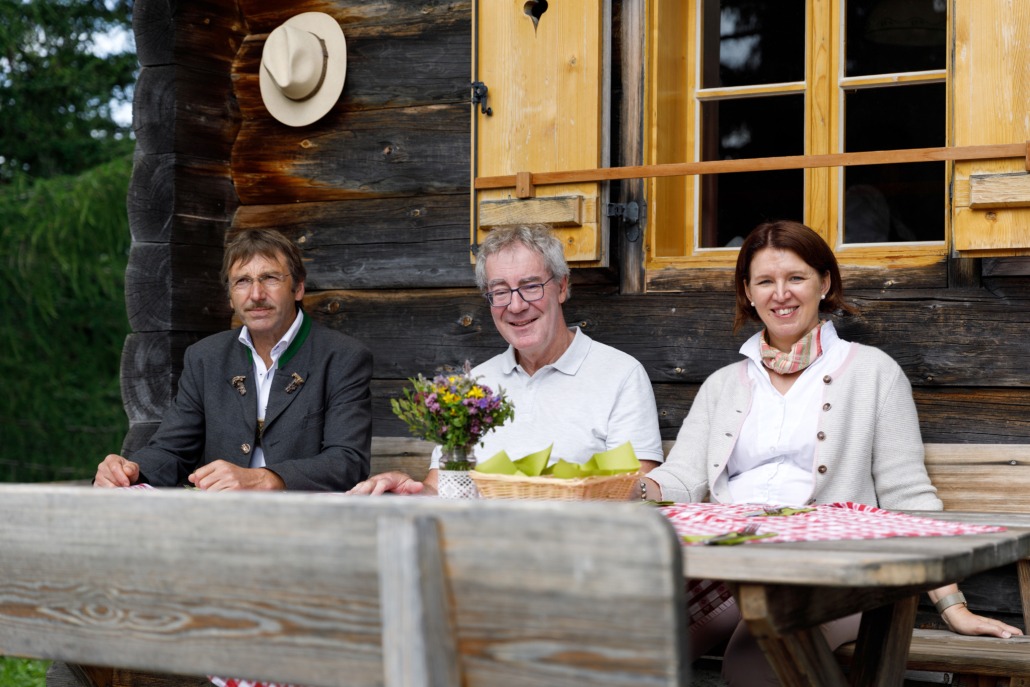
x: 613, y: 487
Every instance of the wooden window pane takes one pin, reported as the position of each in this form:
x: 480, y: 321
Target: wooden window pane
x: 749, y: 42
x: 732, y: 204
x: 890, y: 36
x: 903, y: 202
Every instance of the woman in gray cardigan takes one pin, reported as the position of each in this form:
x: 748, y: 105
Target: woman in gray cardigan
x: 806, y: 417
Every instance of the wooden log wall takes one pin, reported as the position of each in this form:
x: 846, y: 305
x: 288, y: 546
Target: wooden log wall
x: 376, y: 194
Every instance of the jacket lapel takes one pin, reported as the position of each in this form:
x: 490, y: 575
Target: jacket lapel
x: 291, y: 374
x: 242, y: 387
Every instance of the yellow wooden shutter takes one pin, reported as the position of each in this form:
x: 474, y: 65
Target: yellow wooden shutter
x: 991, y: 203
x: 546, y: 69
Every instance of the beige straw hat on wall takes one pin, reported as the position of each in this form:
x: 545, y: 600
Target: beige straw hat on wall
x: 303, y: 66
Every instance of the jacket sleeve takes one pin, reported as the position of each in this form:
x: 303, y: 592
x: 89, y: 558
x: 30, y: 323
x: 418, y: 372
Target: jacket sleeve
x: 177, y: 446
x: 684, y: 476
x: 899, y: 471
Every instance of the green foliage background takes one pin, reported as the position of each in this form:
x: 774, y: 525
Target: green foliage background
x: 57, y: 87
x: 20, y: 673
x: 64, y: 245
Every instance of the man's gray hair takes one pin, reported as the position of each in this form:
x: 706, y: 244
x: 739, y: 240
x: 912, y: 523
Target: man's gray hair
x: 535, y: 237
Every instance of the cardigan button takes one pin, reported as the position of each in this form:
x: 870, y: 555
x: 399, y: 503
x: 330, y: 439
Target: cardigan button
x: 245, y: 448
x: 822, y: 469
x: 827, y: 379
x: 826, y: 406
x: 820, y: 436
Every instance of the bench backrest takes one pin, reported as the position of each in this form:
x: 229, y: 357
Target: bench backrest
x: 988, y: 478
x: 992, y: 478
x: 334, y: 590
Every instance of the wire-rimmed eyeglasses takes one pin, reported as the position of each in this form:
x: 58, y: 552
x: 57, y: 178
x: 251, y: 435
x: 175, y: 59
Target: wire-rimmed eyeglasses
x: 499, y: 298
x: 270, y: 282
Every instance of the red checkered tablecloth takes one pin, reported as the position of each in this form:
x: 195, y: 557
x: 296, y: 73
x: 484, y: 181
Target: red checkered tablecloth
x: 233, y: 682
x: 822, y: 523
x: 706, y: 599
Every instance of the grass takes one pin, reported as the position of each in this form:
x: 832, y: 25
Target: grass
x: 22, y: 672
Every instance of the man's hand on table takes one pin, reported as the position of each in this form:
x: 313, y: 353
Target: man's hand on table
x: 116, y: 471
x: 388, y: 483
x: 222, y: 475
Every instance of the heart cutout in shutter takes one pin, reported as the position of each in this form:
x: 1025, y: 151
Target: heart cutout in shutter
x: 535, y: 9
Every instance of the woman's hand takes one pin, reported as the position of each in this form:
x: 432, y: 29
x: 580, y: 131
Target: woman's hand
x: 964, y: 622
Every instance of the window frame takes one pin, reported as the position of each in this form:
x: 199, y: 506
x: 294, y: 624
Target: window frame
x: 672, y: 61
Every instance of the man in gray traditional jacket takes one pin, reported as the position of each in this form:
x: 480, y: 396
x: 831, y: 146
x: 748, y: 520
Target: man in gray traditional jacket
x: 281, y: 403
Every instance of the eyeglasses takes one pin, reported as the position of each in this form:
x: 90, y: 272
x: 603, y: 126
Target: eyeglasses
x: 269, y: 282
x: 528, y: 292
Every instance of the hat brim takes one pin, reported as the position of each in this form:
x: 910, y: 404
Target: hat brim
x: 309, y: 110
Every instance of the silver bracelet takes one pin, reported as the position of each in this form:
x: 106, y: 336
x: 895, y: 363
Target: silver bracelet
x: 946, y: 602
x: 643, y: 490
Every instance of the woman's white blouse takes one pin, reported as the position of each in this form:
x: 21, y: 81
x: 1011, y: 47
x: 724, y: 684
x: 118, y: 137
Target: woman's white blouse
x: 773, y: 460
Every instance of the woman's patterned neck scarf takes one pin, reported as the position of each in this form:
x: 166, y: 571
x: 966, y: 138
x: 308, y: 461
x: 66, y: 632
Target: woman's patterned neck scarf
x: 800, y: 356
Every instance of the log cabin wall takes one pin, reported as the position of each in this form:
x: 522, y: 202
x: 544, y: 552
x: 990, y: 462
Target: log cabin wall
x: 376, y: 194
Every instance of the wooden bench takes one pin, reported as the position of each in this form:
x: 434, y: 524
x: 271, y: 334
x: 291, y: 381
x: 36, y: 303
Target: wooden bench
x: 320, y: 589
x: 989, y: 478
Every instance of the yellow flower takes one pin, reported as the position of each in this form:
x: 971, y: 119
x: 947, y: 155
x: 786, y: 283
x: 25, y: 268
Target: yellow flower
x: 449, y: 398
x: 476, y: 392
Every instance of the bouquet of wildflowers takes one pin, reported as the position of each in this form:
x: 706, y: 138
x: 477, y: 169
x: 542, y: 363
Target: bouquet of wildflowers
x: 454, y: 410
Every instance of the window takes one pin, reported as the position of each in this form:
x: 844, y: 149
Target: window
x: 738, y: 79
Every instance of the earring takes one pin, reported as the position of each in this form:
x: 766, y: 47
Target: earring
x: 822, y: 297
x: 752, y: 304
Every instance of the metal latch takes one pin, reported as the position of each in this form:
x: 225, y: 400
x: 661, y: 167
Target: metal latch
x: 479, y: 90
x: 629, y: 213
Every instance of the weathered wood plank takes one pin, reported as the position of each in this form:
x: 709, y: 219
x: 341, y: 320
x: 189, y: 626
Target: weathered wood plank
x: 404, y: 151
x: 366, y: 18
x: 1006, y: 267
x: 200, y: 33
x: 398, y: 55
x: 556, y: 211
x: 184, y: 110
x: 180, y: 200
x: 287, y: 587
x: 999, y: 190
x: 419, y: 642
x: 419, y: 241
x: 855, y: 278
x: 173, y: 287
x: 629, y: 51
x: 683, y: 338
x: 945, y: 651
x: 150, y: 369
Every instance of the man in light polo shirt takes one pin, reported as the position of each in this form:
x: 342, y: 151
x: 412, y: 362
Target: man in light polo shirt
x: 568, y: 389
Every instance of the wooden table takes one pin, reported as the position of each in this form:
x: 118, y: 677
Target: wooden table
x: 786, y: 590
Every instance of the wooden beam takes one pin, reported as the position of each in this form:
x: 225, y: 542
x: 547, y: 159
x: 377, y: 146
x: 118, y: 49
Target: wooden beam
x: 419, y: 643
x: 557, y: 211
x: 987, y: 191
x: 524, y: 185
x: 876, y: 157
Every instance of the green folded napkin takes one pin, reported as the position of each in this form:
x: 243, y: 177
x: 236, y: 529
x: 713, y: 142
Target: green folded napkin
x: 534, y: 464
x: 616, y: 461
x: 499, y: 464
